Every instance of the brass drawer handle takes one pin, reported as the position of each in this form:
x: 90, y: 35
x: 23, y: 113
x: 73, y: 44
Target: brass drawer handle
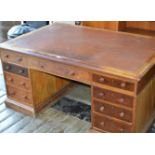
x: 21, y: 71
x: 122, y: 114
x: 19, y: 59
x: 101, y: 79
x: 122, y: 100
x: 10, y: 79
x: 101, y: 94
x: 7, y: 67
x: 121, y: 129
x: 102, y: 123
x: 71, y: 73
x: 7, y: 56
x: 12, y: 93
x: 26, y: 97
x: 102, y: 108
x: 42, y: 66
x: 123, y: 84
x: 23, y: 84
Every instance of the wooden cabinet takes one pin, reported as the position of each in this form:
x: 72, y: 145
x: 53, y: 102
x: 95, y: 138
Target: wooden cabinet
x: 112, y: 110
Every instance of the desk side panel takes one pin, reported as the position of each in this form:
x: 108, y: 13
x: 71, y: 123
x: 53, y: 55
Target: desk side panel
x: 145, y: 106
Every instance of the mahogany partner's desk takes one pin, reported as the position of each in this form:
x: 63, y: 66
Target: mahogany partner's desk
x: 119, y: 67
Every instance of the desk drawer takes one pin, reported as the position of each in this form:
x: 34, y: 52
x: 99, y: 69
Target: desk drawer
x: 18, y: 95
x: 62, y: 70
x: 113, y: 111
x: 17, y: 81
x: 15, y: 69
x: 110, y: 125
x: 113, y: 97
x: 113, y: 82
x: 13, y: 57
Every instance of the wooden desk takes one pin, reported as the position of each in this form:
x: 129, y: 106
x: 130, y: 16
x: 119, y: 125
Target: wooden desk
x: 118, y: 66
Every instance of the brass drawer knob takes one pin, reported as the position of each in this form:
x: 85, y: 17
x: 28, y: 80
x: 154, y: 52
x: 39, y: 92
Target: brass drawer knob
x: 21, y: 71
x: 7, y: 67
x: 121, y: 130
x: 10, y: 79
x: 42, y: 66
x: 12, y: 93
x: 19, y: 59
x: 7, y: 56
x: 101, y: 79
x: 71, y: 73
x: 123, y: 84
x: 23, y: 84
x: 122, y: 114
x: 26, y: 97
x: 102, y: 123
x: 122, y: 100
x: 102, y: 108
x: 101, y: 94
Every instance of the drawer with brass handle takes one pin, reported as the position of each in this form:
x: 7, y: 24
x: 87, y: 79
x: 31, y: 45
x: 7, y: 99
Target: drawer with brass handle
x: 15, y: 69
x: 13, y: 57
x: 117, y: 98
x: 62, y: 70
x: 112, y: 111
x: 109, y: 125
x: 125, y: 85
x: 18, y: 95
x: 17, y: 81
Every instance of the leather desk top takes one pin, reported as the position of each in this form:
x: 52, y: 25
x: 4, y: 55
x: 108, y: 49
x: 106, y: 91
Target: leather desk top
x: 101, y: 50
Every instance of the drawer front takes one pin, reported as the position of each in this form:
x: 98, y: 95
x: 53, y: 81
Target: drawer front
x: 113, y: 97
x: 109, y: 125
x: 113, y: 82
x: 62, y: 70
x: 15, y: 69
x: 17, y: 81
x: 13, y: 57
x: 113, y: 111
x: 18, y: 95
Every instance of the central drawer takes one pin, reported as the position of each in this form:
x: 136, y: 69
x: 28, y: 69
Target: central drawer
x: 62, y: 70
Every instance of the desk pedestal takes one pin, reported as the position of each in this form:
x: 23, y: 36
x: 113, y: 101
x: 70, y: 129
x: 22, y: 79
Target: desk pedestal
x: 29, y: 90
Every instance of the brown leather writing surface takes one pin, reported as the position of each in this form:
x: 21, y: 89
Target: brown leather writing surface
x: 93, y: 48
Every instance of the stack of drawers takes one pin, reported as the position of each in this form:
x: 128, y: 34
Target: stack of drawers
x: 112, y: 111
x: 18, y: 83
x: 29, y: 90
